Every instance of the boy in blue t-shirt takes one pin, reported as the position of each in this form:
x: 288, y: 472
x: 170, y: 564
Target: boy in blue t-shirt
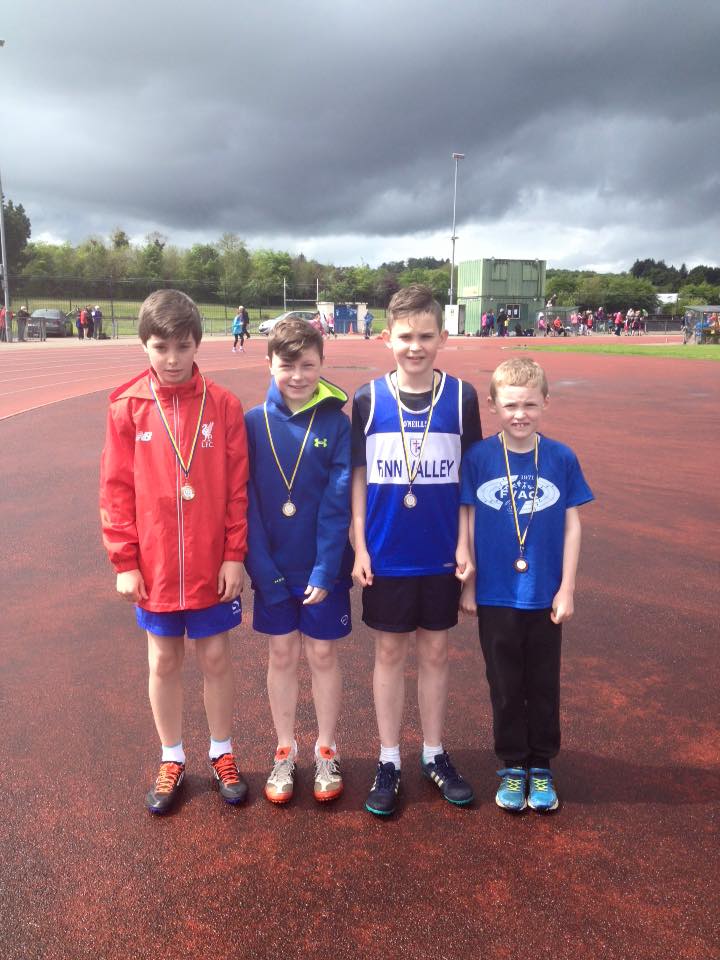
x: 410, y: 429
x: 299, y: 555
x: 522, y: 491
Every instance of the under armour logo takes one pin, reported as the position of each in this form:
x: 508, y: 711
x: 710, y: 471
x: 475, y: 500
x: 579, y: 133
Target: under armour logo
x: 320, y: 443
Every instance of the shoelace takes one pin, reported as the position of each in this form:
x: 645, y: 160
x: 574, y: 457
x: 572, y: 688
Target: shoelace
x: 168, y: 776
x: 226, y: 768
x: 516, y: 784
x: 282, y: 771
x: 445, y: 769
x: 384, y: 779
x: 326, y: 769
x: 540, y: 783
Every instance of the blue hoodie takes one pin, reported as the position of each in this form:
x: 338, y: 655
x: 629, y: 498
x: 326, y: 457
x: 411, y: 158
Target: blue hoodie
x: 285, y: 554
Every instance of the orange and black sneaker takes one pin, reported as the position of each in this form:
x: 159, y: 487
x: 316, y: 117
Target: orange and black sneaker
x: 228, y: 780
x: 167, y: 786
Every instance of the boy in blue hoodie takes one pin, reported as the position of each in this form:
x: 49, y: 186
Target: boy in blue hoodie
x: 299, y: 556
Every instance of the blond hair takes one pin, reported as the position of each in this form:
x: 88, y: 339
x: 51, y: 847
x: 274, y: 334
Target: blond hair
x: 518, y: 372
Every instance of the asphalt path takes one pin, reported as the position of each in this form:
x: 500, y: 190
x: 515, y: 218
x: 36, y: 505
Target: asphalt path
x: 627, y: 869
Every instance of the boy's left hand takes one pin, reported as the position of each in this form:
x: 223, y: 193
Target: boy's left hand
x: 468, y: 603
x: 230, y: 580
x: 562, y: 606
x: 314, y: 595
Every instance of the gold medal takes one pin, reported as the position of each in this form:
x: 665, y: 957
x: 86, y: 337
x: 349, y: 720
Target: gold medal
x: 521, y: 565
x: 187, y: 491
x: 410, y: 500
x: 288, y: 508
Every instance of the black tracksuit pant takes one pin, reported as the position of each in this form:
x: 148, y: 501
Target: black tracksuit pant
x: 522, y: 662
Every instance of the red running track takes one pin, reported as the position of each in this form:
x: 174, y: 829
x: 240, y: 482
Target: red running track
x: 627, y: 869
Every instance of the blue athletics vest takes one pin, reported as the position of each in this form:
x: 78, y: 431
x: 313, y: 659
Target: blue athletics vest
x: 420, y: 541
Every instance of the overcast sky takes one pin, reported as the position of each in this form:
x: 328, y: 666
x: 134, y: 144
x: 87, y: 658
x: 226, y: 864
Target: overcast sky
x: 591, y: 130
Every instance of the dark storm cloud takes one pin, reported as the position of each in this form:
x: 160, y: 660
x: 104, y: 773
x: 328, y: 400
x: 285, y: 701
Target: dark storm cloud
x: 339, y: 118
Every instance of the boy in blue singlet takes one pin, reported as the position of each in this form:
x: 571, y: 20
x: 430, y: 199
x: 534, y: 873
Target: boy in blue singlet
x: 299, y: 556
x: 409, y: 431
x: 522, y: 492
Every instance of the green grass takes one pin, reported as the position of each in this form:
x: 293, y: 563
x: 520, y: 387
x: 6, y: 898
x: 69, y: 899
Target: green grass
x: 689, y: 351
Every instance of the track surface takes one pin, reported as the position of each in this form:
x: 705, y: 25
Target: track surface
x: 627, y: 869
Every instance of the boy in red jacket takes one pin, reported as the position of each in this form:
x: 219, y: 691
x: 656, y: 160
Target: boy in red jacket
x: 173, y: 505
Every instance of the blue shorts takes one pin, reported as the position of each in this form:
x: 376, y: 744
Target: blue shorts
x: 329, y: 620
x: 196, y: 623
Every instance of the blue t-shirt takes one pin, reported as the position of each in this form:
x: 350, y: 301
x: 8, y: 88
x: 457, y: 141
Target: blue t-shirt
x: 484, y: 486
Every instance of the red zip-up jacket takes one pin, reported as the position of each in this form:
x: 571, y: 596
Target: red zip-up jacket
x: 178, y: 545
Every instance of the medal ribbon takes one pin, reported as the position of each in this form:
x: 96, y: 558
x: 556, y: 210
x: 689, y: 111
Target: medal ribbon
x: 412, y: 475
x: 288, y: 483
x: 171, y: 436
x: 521, y: 538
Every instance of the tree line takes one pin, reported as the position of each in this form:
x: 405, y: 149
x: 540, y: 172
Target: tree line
x: 227, y: 271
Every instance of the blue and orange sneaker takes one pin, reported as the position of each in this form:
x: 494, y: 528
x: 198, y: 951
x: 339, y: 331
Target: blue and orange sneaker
x: 162, y: 796
x: 228, y: 780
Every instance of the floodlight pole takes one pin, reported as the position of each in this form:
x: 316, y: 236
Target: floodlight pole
x: 456, y: 157
x: 6, y: 289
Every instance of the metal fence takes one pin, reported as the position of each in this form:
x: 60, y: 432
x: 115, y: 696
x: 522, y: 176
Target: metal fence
x: 120, y: 301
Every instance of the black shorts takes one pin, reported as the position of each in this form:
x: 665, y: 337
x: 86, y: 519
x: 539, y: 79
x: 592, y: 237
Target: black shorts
x: 402, y: 604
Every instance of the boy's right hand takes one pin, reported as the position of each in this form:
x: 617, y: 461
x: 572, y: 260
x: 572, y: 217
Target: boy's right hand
x: 362, y: 570
x: 131, y: 586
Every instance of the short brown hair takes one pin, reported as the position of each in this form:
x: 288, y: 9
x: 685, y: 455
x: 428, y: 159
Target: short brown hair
x: 518, y: 372
x: 290, y: 337
x: 415, y: 298
x: 169, y: 313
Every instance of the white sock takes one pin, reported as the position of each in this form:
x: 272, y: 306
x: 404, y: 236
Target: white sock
x: 333, y: 747
x: 390, y: 755
x: 219, y: 747
x: 429, y: 753
x: 174, y: 754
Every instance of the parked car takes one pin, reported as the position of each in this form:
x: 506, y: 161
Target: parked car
x: 57, y: 323
x: 267, y: 325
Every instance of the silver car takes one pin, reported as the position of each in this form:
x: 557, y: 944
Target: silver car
x: 57, y: 323
x: 267, y: 325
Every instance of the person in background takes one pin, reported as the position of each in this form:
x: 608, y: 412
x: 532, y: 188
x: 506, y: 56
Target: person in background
x: 97, y: 319
x: 367, y: 324
x: 23, y: 316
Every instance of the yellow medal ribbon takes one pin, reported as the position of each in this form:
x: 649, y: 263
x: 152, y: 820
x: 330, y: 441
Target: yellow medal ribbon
x: 521, y: 537
x: 188, y: 492
x: 288, y: 507
x: 410, y: 499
